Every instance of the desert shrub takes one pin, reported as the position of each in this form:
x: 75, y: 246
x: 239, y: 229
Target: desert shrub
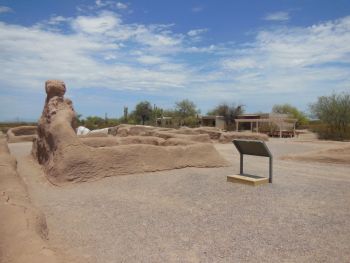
x: 191, y: 121
x: 334, y: 114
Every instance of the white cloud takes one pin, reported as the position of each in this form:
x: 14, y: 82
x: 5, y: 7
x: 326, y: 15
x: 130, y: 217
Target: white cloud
x: 102, y: 51
x: 101, y: 24
x: 111, y: 4
x: 5, y: 9
x: 277, y: 16
x: 156, y: 37
x: 150, y: 60
x: 295, y: 59
x: 121, y: 5
x: 90, y: 56
x: 55, y: 20
x: 99, y: 3
x: 240, y: 63
x: 196, y: 32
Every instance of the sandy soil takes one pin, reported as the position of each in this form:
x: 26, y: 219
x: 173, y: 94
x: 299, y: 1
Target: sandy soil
x: 194, y: 215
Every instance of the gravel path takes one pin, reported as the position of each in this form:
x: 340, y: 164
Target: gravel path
x: 194, y: 215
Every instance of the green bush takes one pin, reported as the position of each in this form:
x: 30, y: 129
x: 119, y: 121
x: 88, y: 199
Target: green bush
x: 334, y: 114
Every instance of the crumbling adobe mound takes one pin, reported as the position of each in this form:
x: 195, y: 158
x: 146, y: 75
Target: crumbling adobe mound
x: 150, y: 140
x: 113, y: 141
x: 66, y: 158
x: 21, y: 134
x: 54, y: 88
x: 202, y: 134
x: 93, y: 135
x: 338, y: 155
x: 133, y: 130
x: 23, y: 228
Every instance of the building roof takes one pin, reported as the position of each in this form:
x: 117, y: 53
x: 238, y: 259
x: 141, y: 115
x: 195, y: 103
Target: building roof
x: 211, y: 117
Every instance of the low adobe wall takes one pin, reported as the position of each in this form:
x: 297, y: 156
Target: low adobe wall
x: 202, y: 134
x: 21, y: 134
x: 65, y: 158
x: 23, y: 228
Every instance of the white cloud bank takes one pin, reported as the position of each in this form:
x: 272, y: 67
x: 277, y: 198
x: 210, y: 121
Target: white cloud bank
x: 296, y: 59
x: 103, y: 51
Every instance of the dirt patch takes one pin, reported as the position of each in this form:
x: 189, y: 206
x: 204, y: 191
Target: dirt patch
x: 338, y: 155
x: 65, y: 158
x: 23, y: 228
x: 22, y: 134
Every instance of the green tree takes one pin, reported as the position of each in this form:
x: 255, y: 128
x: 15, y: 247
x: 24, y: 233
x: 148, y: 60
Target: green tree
x: 292, y: 112
x: 157, y: 112
x: 334, y: 112
x: 143, y: 111
x: 186, y: 108
x: 229, y: 112
x: 187, y: 112
x: 94, y: 122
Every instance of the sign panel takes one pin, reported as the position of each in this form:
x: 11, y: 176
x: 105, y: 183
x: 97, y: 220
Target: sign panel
x: 252, y: 147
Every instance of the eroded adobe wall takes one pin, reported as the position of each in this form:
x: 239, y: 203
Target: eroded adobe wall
x: 66, y: 158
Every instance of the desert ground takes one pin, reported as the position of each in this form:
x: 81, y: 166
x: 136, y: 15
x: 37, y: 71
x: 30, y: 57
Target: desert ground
x: 194, y: 215
x: 152, y: 194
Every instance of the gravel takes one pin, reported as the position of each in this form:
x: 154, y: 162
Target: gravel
x: 194, y: 215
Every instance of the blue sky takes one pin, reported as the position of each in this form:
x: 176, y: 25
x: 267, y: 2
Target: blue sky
x: 113, y: 54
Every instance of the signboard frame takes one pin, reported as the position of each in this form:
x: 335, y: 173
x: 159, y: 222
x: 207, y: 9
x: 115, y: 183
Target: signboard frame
x: 256, y: 148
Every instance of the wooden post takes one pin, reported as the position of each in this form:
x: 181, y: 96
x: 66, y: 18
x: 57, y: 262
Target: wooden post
x: 257, y: 126
x: 236, y: 125
x: 251, y: 126
x: 294, y: 129
x: 279, y: 125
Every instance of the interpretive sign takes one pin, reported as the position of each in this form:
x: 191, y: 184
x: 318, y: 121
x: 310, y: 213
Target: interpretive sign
x: 253, y: 147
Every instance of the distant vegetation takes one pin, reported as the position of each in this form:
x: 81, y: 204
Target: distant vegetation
x: 331, y: 116
x: 333, y: 113
x: 95, y: 122
x: 293, y: 112
x: 185, y: 113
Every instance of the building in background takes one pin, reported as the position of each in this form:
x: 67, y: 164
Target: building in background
x: 213, y: 121
x: 273, y: 124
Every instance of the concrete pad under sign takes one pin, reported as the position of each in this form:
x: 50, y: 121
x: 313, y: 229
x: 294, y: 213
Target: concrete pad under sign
x: 247, y: 179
